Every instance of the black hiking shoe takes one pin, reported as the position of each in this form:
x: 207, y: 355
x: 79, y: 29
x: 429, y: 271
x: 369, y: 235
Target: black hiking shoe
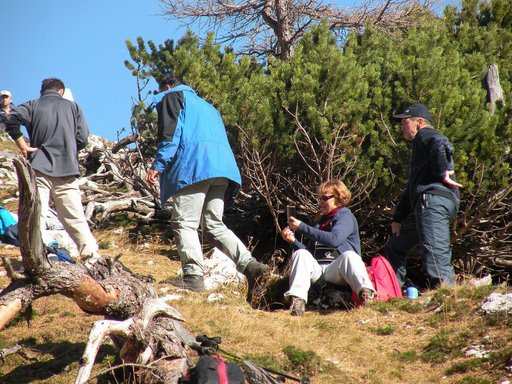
x: 298, y: 306
x: 191, y: 282
x: 253, y: 271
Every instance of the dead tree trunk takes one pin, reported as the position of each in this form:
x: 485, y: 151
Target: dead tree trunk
x: 149, y: 331
x: 494, y: 89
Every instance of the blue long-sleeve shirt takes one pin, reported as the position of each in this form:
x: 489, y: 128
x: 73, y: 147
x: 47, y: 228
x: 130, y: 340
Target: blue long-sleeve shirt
x: 342, y: 234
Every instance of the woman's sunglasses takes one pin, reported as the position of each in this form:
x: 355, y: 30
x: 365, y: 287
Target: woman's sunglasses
x: 325, y: 197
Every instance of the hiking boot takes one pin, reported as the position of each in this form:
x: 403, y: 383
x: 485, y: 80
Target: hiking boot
x: 191, y: 282
x: 366, y: 296
x: 298, y: 306
x: 253, y: 271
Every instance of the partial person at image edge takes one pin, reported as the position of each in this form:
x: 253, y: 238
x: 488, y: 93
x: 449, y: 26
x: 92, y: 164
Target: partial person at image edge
x: 5, y: 107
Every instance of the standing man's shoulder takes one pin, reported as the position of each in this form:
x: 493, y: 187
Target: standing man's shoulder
x: 430, y: 136
x: 174, y: 100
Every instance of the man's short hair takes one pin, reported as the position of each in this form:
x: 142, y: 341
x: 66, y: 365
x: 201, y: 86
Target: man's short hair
x: 53, y: 84
x: 169, y: 80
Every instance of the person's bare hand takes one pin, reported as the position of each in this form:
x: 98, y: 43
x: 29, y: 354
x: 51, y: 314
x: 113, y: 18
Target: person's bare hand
x: 288, y: 235
x: 25, y: 151
x: 152, y: 176
x: 293, y: 223
x: 395, y: 228
x: 449, y: 181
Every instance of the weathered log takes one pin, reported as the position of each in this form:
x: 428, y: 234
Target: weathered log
x: 134, y: 204
x: 9, y: 351
x: 148, y: 330
x: 29, y: 212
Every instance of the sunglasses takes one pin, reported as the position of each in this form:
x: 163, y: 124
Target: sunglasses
x: 325, y: 197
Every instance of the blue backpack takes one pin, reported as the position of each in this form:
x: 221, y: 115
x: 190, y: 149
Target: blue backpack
x: 8, y: 228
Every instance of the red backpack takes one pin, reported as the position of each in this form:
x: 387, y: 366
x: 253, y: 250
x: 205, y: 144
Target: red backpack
x: 384, y: 280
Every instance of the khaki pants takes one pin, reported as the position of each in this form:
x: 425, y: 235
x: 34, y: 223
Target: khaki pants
x: 204, y: 203
x: 65, y: 194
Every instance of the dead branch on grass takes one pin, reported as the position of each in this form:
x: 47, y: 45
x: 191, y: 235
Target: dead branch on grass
x: 143, y: 325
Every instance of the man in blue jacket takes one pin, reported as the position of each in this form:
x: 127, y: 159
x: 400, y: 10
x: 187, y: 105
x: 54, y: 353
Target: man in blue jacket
x: 196, y: 167
x: 429, y: 202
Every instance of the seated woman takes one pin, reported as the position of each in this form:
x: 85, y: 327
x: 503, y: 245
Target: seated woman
x: 337, y: 229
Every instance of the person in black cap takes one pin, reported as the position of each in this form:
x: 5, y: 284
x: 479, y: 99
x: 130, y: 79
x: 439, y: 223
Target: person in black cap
x: 429, y: 202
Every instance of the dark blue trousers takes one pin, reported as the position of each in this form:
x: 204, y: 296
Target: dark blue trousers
x: 430, y: 228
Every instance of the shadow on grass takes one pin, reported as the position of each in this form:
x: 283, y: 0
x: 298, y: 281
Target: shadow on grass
x: 64, y: 354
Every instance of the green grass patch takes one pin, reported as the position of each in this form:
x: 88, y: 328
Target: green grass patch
x: 387, y: 330
x: 305, y: 362
x: 464, y: 366
x: 406, y: 357
x: 440, y: 348
x: 473, y: 380
x: 475, y: 293
x: 267, y: 361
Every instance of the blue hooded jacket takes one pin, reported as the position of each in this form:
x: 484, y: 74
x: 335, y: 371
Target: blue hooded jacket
x: 192, y: 144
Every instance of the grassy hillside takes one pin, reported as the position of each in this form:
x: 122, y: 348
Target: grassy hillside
x: 403, y: 341
x: 411, y: 342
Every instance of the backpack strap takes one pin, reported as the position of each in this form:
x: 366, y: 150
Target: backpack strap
x: 221, y: 370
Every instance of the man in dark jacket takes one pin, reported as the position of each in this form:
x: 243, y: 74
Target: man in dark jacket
x: 429, y: 202
x: 57, y: 131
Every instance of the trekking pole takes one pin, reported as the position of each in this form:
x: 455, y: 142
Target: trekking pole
x: 211, y: 344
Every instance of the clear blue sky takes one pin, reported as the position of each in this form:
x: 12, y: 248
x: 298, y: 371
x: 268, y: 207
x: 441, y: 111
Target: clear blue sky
x: 81, y: 42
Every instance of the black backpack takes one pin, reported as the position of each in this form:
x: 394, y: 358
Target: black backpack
x: 214, y: 370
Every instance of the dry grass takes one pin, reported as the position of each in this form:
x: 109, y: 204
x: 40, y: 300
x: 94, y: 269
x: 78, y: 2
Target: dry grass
x: 398, y: 342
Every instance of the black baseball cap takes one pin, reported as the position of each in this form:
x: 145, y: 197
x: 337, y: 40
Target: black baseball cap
x: 415, y: 110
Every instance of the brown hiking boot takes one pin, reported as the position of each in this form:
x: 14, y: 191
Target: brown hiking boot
x: 298, y: 306
x: 366, y: 296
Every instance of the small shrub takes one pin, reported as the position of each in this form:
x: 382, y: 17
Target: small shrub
x: 411, y: 306
x: 499, y: 360
x: 307, y: 362
x: 383, y: 307
x: 387, y: 330
x: 463, y: 366
x: 407, y: 356
x: 439, y: 348
x: 267, y: 361
x: 475, y: 293
x: 105, y: 244
x: 473, y: 380
x: 324, y: 325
